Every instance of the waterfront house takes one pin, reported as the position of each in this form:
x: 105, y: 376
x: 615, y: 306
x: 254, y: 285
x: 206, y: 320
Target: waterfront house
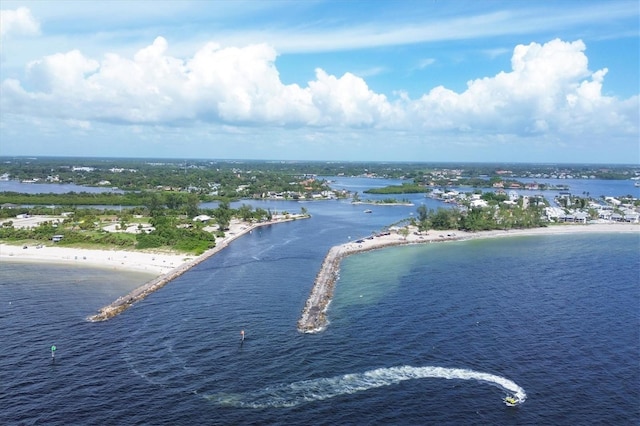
x: 553, y: 213
x: 478, y: 203
x: 202, y: 218
x: 616, y: 217
x: 580, y: 217
x: 631, y: 216
x: 604, y: 214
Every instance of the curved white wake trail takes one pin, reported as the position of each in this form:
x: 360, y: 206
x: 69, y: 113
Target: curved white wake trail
x: 296, y: 393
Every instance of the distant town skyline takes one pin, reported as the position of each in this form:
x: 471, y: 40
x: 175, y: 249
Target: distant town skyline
x: 432, y: 81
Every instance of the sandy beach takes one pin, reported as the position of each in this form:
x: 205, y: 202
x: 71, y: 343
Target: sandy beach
x: 167, y: 266
x: 414, y: 237
x: 313, y: 318
x: 163, y: 266
x: 153, y: 262
x: 159, y: 263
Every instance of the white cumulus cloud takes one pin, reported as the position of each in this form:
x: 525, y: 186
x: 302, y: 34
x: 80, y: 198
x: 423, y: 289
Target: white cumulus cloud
x: 227, y: 85
x: 19, y: 21
x: 549, y: 89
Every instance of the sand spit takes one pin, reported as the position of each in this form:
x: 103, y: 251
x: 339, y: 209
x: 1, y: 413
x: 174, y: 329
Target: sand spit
x: 314, y: 314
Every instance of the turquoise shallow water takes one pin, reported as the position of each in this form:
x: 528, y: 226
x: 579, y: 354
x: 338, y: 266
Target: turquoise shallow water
x: 423, y: 334
x: 431, y: 334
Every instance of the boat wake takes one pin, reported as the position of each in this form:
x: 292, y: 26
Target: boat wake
x: 297, y: 393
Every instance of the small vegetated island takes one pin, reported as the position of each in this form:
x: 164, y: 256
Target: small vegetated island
x: 405, y: 188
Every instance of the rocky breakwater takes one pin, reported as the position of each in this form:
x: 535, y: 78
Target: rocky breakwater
x: 314, y: 314
x: 123, y: 303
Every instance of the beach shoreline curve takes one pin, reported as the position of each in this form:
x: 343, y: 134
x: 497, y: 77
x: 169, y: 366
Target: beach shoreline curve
x: 314, y: 319
x: 164, y: 267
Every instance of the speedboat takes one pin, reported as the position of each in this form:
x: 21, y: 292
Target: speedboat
x: 511, y: 400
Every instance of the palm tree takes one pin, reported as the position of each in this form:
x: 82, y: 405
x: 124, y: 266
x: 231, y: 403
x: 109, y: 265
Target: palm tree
x: 404, y: 232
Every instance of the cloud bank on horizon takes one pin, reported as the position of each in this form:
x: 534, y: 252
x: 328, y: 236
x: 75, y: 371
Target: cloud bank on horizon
x: 335, y: 86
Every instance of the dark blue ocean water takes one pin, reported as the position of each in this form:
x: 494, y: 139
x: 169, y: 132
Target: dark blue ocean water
x: 431, y: 334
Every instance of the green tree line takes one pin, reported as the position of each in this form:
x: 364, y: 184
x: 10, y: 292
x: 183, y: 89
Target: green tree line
x: 479, y: 219
x: 173, y: 228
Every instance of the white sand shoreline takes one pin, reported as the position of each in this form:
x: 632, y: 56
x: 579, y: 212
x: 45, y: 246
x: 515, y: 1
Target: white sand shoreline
x: 120, y: 260
x: 433, y: 235
x: 166, y: 266
x: 159, y: 263
x: 148, y: 261
x: 314, y: 315
x: 163, y: 266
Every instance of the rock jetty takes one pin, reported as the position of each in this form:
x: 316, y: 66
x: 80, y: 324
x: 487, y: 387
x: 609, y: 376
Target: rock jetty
x: 123, y: 303
x: 314, y: 313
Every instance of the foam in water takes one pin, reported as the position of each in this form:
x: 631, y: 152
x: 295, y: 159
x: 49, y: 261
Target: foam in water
x: 296, y: 393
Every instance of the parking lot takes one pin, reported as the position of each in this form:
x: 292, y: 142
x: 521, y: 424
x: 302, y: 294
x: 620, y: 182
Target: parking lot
x: 32, y: 221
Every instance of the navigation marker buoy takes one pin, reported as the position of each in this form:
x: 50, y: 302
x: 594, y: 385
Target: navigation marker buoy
x: 53, y: 351
x: 242, y: 335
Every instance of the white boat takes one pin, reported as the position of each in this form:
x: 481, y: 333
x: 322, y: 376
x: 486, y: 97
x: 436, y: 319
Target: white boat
x: 368, y: 211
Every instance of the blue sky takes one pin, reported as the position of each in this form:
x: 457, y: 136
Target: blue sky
x: 429, y: 80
